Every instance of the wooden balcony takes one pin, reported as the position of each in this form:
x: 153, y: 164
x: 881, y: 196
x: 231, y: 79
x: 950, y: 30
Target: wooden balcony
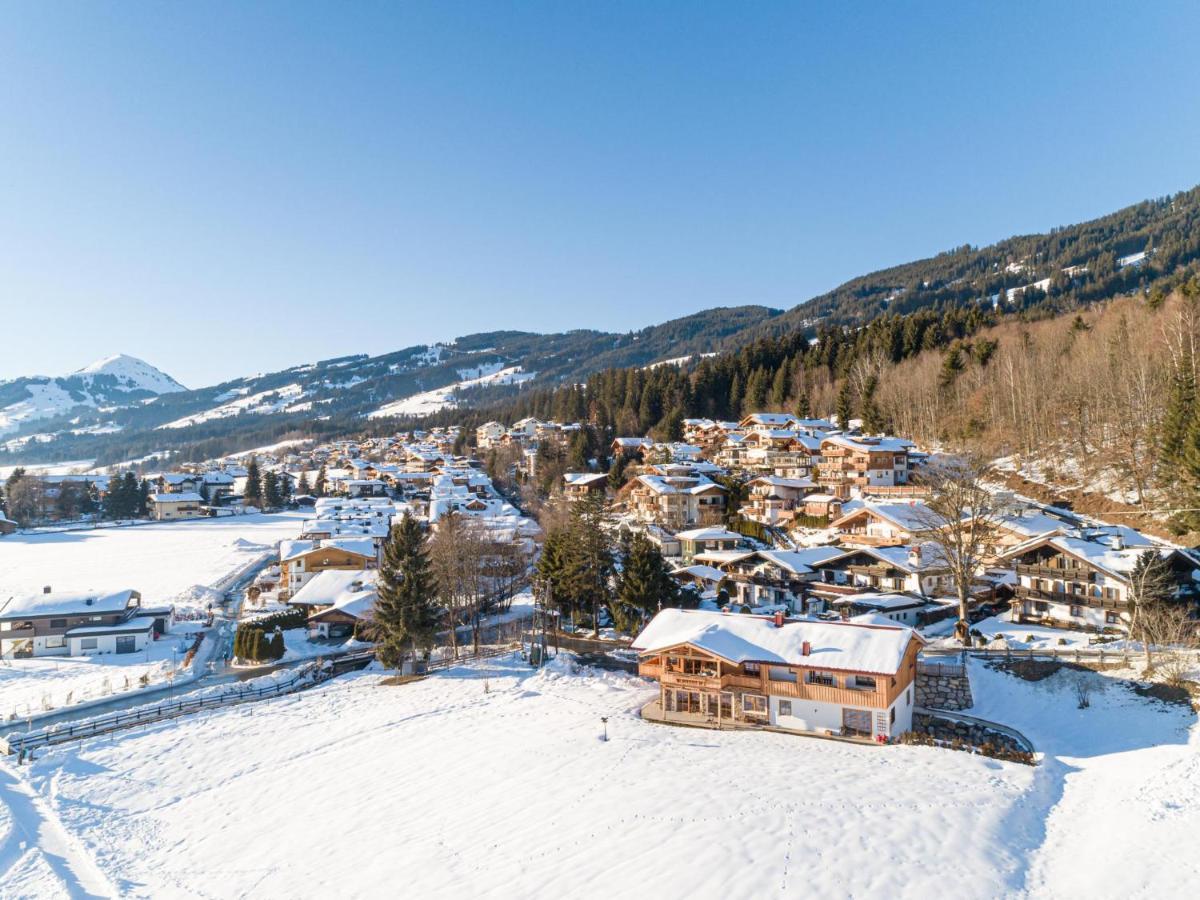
x: 1028, y: 593
x: 822, y: 693
x: 1035, y: 571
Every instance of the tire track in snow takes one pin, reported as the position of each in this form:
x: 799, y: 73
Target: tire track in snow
x: 35, y: 824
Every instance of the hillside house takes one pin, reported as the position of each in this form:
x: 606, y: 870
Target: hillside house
x: 850, y: 465
x: 872, y: 524
x: 914, y: 569
x: 838, y: 678
x: 776, y: 501
x: 904, y: 609
x: 706, y: 540
x: 676, y: 502
x: 775, y: 577
x: 577, y: 485
x: 1083, y: 581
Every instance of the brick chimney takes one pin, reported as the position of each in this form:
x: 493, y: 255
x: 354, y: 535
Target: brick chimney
x: 806, y: 649
x: 779, y: 618
x: 46, y: 589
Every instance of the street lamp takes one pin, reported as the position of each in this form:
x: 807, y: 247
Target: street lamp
x: 604, y: 719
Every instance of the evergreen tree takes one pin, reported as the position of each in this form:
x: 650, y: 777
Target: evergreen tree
x: 804, y: 407
x: 302, y: 486
x: 258, y: 649
x: 405, y: 617
x: 271, y: 498
x: 589, y: 564
x: 252, y: 495
x: 645, y: 585
x: 1189, y: 476
x: 550, y: 571
x: 142, y: 503
x: 1178, y: 417
x: 844, y: 408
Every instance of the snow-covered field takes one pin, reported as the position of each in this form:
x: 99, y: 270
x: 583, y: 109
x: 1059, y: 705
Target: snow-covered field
x: 32, y: 685
x: 355, y: 788
x: 163, y: 561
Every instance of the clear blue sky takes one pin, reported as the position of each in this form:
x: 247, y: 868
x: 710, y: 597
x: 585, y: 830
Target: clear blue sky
x: 230, y: 188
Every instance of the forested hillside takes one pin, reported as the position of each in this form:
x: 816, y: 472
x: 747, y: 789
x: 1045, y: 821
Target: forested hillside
x: 1102, y: 400
x: 1059, y: 270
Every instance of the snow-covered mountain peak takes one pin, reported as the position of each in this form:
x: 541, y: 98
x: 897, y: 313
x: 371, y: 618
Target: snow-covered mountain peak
x: 132, y: 374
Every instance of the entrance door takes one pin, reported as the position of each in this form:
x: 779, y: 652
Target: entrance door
x: 126, y: 644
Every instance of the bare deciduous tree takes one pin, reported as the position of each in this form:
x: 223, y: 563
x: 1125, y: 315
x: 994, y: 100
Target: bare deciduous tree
x: 960, y: 519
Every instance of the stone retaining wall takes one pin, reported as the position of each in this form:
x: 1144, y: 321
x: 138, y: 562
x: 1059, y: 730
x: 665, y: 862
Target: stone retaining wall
x: 944, y: 691
x: 968, y: 733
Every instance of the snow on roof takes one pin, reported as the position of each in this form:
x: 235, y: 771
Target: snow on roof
x: 708, y: 534
x: 183, y: 497
x: 583, y: 478
x: 66, y: 603
x: 799, y: 561
x: 912, y: 515
x: 723, y: 557
x: 879, y: 601
x: 770, y: 418
x: 777, y: 481
x: 705, y: 573
x: 364, y: 546
x: 869, y: 444
x: 844, y: 646
x: 134, y: 625
x: 327, y: 588
x: 1031, y: 523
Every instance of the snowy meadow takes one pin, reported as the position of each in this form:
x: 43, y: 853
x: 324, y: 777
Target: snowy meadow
x: 493, y: 780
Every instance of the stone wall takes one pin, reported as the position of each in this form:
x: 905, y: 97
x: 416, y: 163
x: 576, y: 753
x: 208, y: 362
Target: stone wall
x: 944, y: 691
x: 969, y: 734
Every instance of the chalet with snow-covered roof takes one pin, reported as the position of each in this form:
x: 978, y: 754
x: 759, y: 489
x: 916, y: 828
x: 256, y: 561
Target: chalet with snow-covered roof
x: 854, y: 464
x: 1082, y: 580
x: 883, y: 524
x: 916, y: 569
x: 904, y: 609
x: 775, y: 501
x: 725, y: 670
x: 300, y: 561
x: 775, y: 577
x: 577, y: 485
x: 704, y: 540
x: 675, y: 502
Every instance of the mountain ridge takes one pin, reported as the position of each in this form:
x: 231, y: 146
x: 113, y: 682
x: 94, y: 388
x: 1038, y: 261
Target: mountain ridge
x: 1143, y: 248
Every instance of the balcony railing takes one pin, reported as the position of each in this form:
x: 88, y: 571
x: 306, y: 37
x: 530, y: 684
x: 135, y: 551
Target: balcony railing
x: 1028, y: 593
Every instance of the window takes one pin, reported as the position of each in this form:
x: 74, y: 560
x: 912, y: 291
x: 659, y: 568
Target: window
x: 58, y: 623
x: 908, y: 698
x: 892, y: 715
x: 754, y: 704
x: 864, y: 682
x: 56, y: 642
x: 1076, y: 610
x: 87, y: 644
x: 1041, y: 606
x: 781, y: 673
x: 785, y: 707
x: 826, y: 678
x: 1112, y: 618
x: 751, y: 668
